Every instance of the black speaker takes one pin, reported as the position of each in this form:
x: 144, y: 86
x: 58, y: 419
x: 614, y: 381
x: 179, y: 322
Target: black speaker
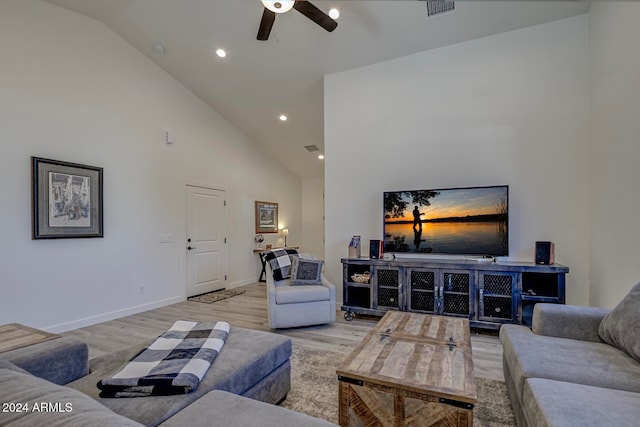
x: 545, y: 253
x: 375, y: 249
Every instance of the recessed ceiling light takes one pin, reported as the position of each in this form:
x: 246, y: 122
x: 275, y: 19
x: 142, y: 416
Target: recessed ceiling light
x: 221, y: 53
x: 283, y: 118
x: 334, y: 13
x: 159, y: 48
x: 321, y: 156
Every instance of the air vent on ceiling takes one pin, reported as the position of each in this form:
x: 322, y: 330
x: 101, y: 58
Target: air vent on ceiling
x: 435, y: 7
x: 312, y: 148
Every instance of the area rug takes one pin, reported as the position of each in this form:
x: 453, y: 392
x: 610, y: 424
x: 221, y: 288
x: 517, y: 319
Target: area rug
x: 214, y: 296
x: 314, y: 390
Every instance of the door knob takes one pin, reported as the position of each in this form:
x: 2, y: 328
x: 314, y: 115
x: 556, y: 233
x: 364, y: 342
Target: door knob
x: 190, y: 248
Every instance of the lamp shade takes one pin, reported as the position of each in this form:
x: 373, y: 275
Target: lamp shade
x: 285, y: 231
x: 281, y: 6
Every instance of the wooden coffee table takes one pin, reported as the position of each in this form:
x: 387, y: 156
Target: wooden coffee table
x: 411, y: 370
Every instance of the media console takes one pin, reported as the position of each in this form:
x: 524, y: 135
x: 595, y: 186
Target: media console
x: 489, y: 294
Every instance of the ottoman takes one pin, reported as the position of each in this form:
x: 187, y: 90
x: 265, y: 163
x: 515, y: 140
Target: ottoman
x: 252, y: 363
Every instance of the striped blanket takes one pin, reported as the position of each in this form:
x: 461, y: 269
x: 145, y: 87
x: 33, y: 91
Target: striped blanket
x: 173, y: 364
x: 280, y: 261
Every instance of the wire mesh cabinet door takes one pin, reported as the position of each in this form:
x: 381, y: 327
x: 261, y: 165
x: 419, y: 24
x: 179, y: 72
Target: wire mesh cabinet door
x: 422, y: 295
x: 456, y: 293
x: 388, y: 289
x: 498, y: 296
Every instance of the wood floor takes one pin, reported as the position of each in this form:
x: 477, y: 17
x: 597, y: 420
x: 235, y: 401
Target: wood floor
x: 249, y: 310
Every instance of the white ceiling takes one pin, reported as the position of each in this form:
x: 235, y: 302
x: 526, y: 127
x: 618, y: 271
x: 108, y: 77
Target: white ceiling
x: 259, y: 80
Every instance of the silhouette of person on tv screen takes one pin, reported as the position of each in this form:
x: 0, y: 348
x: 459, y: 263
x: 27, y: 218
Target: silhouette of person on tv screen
x: 417, y: 221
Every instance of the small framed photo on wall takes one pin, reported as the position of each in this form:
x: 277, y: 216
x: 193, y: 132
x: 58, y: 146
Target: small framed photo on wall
x: 266, y: 217
x: 66, y: 200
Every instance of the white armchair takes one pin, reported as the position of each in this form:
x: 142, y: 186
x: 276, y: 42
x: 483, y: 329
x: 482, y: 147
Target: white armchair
x: 291, y: 306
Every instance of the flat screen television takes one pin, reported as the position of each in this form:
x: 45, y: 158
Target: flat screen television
x: 450, y: 221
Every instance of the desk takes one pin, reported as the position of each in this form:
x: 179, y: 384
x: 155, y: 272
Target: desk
x: 263, y: 272
x: 15, y: 335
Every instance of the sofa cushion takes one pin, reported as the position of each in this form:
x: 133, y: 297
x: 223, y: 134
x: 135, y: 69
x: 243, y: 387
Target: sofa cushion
x: 246, y: 358
x: 301, y: 293
x: 563, y: 404
x: 583, y: 362
x: 226, y: 409
x: 621, y: 327
x: 49, y: 404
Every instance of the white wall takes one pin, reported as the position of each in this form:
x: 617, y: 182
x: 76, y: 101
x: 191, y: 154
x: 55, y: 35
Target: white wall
x: 313, y: 216
x: 72, y: 90
x: 614, y: 35
x: 507, y: 109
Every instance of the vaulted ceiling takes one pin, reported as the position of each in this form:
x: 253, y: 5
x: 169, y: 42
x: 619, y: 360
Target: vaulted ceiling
x: 260, y: 80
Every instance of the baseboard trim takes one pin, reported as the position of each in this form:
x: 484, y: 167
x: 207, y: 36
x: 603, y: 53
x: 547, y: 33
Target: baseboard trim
x: 242, y: 283
x: 104, y: 317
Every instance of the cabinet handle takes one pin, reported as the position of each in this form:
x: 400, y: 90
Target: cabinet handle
x: 481, y: 294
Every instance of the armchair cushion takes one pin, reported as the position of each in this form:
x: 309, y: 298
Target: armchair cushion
x: 302, y: 293
x: 621, y: 327
x: 280, y: 262
x: 306, y: 271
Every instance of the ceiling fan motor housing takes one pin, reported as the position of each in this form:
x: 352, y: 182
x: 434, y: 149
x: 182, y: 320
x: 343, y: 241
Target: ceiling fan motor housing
x: 272, y: 8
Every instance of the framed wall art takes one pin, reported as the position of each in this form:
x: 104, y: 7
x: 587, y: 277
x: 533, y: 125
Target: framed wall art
x: 266, y: 217
x: 66, y: 200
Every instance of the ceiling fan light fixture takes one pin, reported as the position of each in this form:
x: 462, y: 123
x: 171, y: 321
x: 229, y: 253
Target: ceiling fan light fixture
x: 279, y: 6
x: 334, y: 13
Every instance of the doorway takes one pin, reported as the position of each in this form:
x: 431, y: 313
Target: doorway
x: 206, y: 240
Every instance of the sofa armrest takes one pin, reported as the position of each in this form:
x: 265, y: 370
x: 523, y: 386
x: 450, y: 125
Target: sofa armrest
x: 568, y: 321
x: 332, y: 290
x: 60, y: 360
x: 327, y: 284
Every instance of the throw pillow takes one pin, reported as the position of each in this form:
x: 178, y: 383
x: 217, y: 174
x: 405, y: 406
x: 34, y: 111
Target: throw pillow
x: 621, y: 326
x: 306, y: 271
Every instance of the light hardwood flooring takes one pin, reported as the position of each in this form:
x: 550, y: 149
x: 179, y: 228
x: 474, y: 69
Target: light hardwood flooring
x: 249, y: 310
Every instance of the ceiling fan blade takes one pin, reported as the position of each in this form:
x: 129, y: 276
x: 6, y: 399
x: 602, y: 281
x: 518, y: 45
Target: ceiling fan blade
x: 315, y: 14
x: 268, y: 17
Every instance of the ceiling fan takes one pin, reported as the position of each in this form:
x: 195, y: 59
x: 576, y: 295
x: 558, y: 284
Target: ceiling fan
x: 271, y: 8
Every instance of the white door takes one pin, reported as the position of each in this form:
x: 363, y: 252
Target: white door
x: 206, y: 241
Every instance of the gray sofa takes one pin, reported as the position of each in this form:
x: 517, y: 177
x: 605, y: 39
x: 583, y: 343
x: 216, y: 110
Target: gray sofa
x: 54, y: 377
x: 562, y: 373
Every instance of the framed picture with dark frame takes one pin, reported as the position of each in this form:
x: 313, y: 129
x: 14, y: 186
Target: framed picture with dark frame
x: 266, y: 217
x: 66, y: 200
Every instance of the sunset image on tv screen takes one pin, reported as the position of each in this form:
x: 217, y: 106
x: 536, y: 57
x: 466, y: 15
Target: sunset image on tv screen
x: 462, y: 221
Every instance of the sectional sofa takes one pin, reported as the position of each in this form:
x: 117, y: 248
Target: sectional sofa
x: 577, y: 366
x: 52, y: 383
